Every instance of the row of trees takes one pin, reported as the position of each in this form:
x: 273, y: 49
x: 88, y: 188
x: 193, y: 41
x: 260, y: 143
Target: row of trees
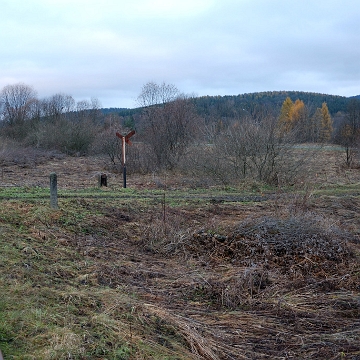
x: 171, y: 134
x: 319, y: 127
x: 294, y: 116
x: 57, y: 122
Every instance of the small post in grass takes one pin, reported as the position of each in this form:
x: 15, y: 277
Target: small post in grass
x: 102, y: 179
x: 125, y: 139
x: 53, y: 191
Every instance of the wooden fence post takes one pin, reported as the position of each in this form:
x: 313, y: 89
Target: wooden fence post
x: 53, y: 191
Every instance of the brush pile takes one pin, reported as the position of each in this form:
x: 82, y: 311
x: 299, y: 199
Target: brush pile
x: 270, y: 253
x: 276, y: 242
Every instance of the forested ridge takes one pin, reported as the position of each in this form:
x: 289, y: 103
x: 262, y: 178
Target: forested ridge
x: 230, y: 105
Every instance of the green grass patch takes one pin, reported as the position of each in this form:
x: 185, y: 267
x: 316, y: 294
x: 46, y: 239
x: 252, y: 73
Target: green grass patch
x: 51, y: 305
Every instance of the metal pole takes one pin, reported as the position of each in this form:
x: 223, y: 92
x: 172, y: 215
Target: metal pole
x: 124, y: 164
x: 125, y: 139
x: 124, y: 175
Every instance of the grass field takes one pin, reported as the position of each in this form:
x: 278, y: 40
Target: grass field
x: 170, y: 269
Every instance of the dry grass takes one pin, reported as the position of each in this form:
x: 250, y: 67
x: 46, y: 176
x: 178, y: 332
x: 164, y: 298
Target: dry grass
x: 217, y: 274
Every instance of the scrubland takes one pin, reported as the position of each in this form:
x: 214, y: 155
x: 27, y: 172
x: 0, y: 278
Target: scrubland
x: 176, y: 268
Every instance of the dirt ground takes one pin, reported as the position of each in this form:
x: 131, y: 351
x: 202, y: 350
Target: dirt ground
x: 326, y: 168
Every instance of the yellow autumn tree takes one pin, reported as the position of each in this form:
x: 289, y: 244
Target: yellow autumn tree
x: 293, y: 116
x: 285, y: 118
x: 298, y: 113
x: 326, y: 127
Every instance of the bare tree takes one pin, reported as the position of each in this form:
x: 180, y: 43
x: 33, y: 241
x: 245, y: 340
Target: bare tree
x: 254, y: 149
x: 168, y: 122
x: 348, y: 134
x: 17, y: 103
x: 251, y: 149
x: 57, y: 106
x: 155, y: 94
x: 82, y: 127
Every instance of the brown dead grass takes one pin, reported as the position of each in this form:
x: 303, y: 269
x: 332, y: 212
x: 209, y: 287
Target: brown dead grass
x: 273, y: 279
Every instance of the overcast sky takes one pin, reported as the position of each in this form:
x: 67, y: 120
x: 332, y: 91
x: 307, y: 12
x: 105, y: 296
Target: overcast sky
x: 108, y: 49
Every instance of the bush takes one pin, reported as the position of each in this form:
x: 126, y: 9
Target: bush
x: 70, y: 137
x: 250, y: 151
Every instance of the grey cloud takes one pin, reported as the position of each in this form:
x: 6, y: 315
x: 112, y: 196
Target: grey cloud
x: 110, y: 50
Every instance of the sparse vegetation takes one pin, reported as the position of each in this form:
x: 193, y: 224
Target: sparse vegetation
x: 166, y: 270
x: 235, y: 238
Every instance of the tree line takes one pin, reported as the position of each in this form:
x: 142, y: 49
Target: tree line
x: 56, y: 122
x: 226, y: 141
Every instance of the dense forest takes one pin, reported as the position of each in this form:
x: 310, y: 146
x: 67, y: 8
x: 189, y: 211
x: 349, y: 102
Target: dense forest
x: 227, y: 138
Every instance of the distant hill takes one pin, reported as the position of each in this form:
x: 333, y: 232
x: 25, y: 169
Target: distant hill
x: 235, y: 105
x: 226, y: 105
x: 120, y: 111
